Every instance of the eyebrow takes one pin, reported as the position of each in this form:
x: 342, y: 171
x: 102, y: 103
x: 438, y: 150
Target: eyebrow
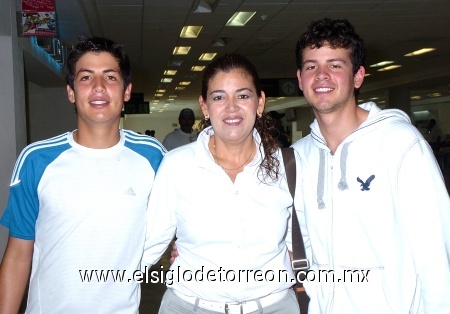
x: 92, y: 71
x: 237, y: 91
x: 328, y: 60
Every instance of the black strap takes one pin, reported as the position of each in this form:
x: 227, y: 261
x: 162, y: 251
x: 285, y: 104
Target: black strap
x: 299, y: 261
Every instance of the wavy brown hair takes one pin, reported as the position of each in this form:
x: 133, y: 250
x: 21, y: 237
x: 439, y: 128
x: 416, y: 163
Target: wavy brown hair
x: 269, y: 167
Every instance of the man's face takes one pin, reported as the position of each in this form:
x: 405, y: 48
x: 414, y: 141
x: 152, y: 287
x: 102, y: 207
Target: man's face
x: 326, y: 78
x: 98, y: 91
x: 186, y: 122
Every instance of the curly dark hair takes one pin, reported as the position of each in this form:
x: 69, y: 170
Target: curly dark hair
x: 269, y: 167
x: 97, y: 44
x: 336, y: 34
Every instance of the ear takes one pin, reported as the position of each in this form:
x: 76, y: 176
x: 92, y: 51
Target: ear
x: 70, y: 94
x: 203, y: 106
x: 358, y: 78
x: 299, y: 78
x: 127, y: 94
x: 261, y: 103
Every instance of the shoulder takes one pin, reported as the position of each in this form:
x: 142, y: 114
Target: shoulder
x: 146, y: 146
x: 39, y: 155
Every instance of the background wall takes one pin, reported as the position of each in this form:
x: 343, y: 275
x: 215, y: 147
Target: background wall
x: 49, y: 112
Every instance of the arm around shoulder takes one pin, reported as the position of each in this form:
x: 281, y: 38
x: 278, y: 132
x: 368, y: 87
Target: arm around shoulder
x: 14, y: 273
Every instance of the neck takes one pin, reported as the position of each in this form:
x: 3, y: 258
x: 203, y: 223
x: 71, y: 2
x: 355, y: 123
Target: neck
x: 231, y: 161
x: 97, y: 138
x: 337, y: 126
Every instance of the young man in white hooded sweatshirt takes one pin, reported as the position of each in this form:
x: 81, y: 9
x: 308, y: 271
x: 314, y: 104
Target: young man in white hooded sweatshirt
x: 374, y: 210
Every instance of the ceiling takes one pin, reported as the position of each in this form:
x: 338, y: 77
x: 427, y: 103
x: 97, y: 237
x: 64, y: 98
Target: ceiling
x: 150, y: 30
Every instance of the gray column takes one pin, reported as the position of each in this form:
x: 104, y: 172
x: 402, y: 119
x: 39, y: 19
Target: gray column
x: 12, y: 103
x: 399, y: 98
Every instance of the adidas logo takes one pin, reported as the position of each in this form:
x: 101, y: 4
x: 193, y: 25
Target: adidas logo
x: 129, y: 191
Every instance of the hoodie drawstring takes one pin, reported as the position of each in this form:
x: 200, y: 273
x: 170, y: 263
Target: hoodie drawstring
x: 321, y: 180
x: 342, y: 185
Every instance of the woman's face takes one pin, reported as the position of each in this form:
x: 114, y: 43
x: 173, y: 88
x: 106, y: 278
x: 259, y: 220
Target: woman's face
x: 232, y: 105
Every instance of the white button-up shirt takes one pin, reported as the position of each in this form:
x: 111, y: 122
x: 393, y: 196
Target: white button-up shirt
x: 231, y: 236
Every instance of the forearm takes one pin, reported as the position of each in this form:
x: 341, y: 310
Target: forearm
x: 14, y: 274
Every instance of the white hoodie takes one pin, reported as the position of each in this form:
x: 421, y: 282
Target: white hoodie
x: 376, y: 214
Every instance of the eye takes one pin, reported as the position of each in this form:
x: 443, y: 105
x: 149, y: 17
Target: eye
x: 217, y: 97
x: 310, y: 67
x: 85, y: 78
x: 243, y: 96
x: 335, y: 66
x: 111, y: 78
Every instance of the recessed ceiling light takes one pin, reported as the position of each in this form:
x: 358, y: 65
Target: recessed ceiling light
x: 207, y: 56
x: 388, y: 68
x: 381, y: 64
x: 185, y: 83
x: 160, y: 90
x: 175, y: 63
x: 166, y: 80
x: 180, y: 88
x: 159, y: 95
x: 435, y: 95
x: 190, y: 31
x: 240, y: 18
x: 415, y: 97
x: 170, y: 72
x: 197, y: 68
x: 419, y: 52
x: 181, y: 50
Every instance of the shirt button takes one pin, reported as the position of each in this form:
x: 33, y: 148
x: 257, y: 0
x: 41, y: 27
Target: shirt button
x: 236, y: 192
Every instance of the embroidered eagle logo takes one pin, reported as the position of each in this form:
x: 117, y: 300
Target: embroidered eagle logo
x: 365, y: 185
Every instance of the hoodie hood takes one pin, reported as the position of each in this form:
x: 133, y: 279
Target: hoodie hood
x: 376, y: 119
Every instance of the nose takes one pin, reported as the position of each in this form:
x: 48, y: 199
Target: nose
x: 322, y: 73
x: 231, y: 105
x: 99, y: 87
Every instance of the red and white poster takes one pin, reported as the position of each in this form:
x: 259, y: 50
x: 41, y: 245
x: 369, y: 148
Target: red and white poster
x: 38, y: 18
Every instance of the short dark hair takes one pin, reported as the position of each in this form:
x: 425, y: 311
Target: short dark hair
x: 337, y: 34
x: 97, y: 44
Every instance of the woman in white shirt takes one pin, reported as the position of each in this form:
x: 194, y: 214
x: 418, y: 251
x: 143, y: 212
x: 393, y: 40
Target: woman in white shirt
x: 226, y: 197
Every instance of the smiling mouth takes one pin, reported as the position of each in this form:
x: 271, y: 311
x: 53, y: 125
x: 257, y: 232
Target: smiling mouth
x: 323, y: 89
x: 99, y: 102
x: 231, y: 121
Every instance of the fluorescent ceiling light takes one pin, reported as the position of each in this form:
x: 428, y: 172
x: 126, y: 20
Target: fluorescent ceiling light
x: 381, y: 64
x: 388, y: 68
x: 181, y: 50
x: 221, y: 42
x: 180, y: 88
x: 159, y: 95
x: 207, y: 56
x: 173, y: 96
x: 415, y: 97
x: 185, y: 83
x: 160, y: 90
x: 240, y: 18
x: 435, y: 95
x: 175, y: 63
x: 170, y: 72
x: 197, y: 68
x: 419, y: 52
x: 166, y: 80
x: 190, y: 31
x: 204, y: 6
